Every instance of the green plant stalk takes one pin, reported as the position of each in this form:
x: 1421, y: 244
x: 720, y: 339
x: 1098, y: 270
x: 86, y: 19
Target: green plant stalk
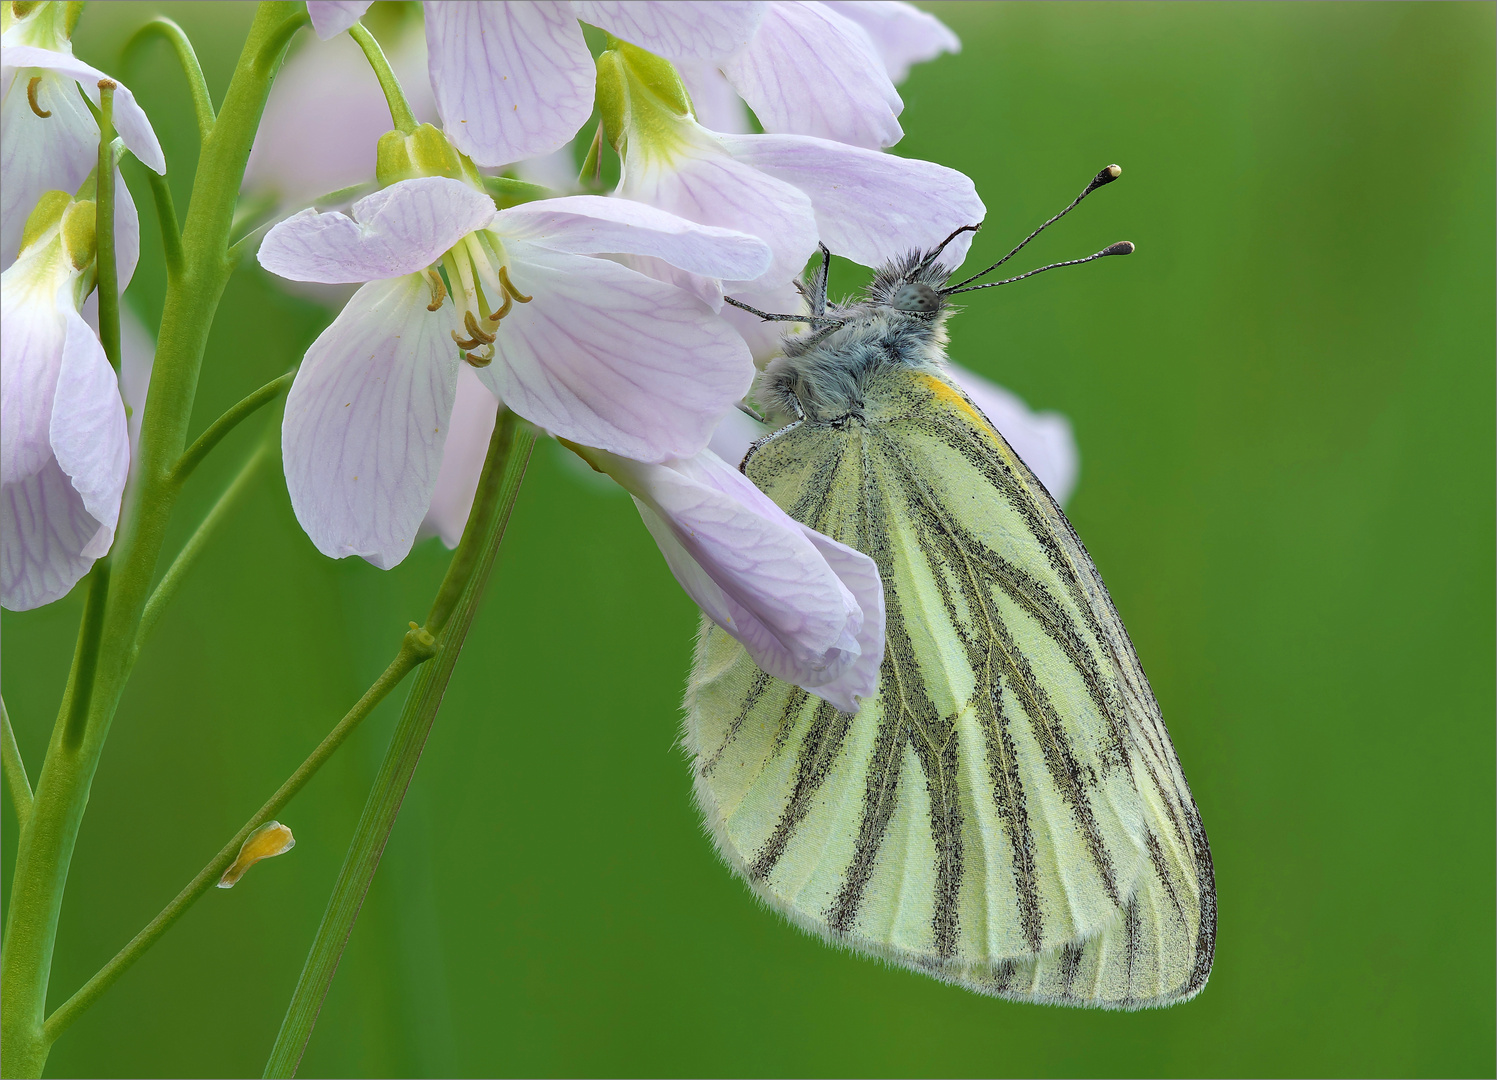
x: 204, y: 443
x: 44, y: 848
x: 509, y: 453
x: 15, y: 768
x: 415, y: 648
x: 202, y: 101
x: 400, y: 110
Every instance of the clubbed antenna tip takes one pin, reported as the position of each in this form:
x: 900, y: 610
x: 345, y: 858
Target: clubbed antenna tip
x: 1122, y: 247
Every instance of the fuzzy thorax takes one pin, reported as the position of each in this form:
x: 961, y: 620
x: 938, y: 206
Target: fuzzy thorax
x: 899, y: 322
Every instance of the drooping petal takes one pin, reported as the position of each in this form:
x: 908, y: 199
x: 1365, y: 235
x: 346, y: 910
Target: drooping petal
x: 87, y: 428
x: 811, y: 71
x: 33, y: 331
x: 605, y: 356
x: 705, y: 184
x: 126, y: 232
x: 902, y: 33
x: 1044, y: 440
x: 512, y: 81
x: 680, y: 29
x: 713, y: 99
x: 366, y: 421
x: 473, y: 416
x: 781, y: 590
x: 870, y: 207
x: 398, y: 230
x: 331, y: 17
x: 733, y: 436
x: 43, y: 531
x: 137, y: 357
x: 36, y: 154
x: 593, y: 225
x: 129, y: 118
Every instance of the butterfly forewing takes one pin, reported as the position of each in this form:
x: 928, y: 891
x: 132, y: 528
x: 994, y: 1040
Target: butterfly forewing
x: 1007, y: 811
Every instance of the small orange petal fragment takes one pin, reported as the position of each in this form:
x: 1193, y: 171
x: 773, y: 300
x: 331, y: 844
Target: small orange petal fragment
x: 268, y: 841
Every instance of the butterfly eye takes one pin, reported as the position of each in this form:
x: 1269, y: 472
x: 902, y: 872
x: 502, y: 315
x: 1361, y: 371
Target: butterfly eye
x: 916, y: 296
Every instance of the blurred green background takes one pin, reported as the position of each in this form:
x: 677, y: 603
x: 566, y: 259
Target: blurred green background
x: 1284, y: 404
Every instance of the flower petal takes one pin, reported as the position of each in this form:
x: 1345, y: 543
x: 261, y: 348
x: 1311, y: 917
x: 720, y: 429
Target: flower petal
x: 396, y: 231
x: 33, y: 331
x: 512, y: 81
x: 870, y: 207
x: 38, y: 155
x: 608, y: 357
x: 764, y: 578
x: 713, y: 99
x: 594, y: 225
x: 766, y: 339
x: 468, y: 434
x: 331, y: 17
x: 705, y: 184
x: 129, y: 118
x: 902, y: 33
x: 87, y: 428
x: 366, y: 421
x: 678, y: 30
x: 811, y: 71
x: 1044, y: 440
x: 43, y: 531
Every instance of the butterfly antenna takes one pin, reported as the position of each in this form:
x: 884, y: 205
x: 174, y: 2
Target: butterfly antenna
x: 1122, y: 247
x: 942, y: 247
x: 1102, y: 179
x: 767, y: 317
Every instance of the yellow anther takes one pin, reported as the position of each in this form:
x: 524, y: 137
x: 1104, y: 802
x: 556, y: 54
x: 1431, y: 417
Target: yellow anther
x: 266, y: 842
x: 473, y: 328
x: 438, y: 290
x: 461, y: 344
x: 31, y: 98
x: 478, y: 361
x: 509, y: 287
x: 503, y: 311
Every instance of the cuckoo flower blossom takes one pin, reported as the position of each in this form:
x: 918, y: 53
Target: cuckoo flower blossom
x: 789, y: 190
x: 515, y: 80
x: 584, y: 347
x: 64, y: 451
x: 808, y: 609
x: 48, y: 139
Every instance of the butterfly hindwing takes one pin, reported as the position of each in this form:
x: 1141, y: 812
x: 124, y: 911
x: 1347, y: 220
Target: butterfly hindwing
x: 1007, y: 811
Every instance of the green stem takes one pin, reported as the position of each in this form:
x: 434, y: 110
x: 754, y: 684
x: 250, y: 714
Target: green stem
x: 162, y: 595
x: 202, y: 102
x: 108, y: 271
x: 166, y: 220
x: 227, y: 423
x: 15, y: 768
x: 415, y: 648
x: 509, y: 452
x: 44, y: 847
x: 400, y: 110
x: 514, y: 192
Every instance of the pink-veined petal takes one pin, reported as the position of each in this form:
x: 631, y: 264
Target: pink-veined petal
x: 679, y: 29
x: 331, y: 17
x: 87, y: 428
x: 766, y: 339
x: 1043, y: 439
x: 708, y: 290
x: 870, y: 207
x: 33, y: 331
x: 512, y: 80
x: 366, y: 421
x: 129, y: 118
x: 713, y: 99
x: 137, y: 357
x: 396, y: 231
x: 704, y: 183
x: 43, y: 531
x: 605, y: 356
x: 902, y: 33
x: 733, y: 436
x: 811, y: 71
x: 473, y: 417
x: 126, y: 232
x: 765, y: 579
x: 594, y: 225
x: 38, y: 155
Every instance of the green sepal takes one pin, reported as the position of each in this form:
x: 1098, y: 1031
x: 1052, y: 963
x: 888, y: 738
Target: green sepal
x: 45, y: 216
x: 79, y: 232
x: 640, y: 96
x: 425, y: 152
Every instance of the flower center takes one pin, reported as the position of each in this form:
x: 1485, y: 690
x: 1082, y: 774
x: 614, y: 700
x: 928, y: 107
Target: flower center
x: 479, y: 275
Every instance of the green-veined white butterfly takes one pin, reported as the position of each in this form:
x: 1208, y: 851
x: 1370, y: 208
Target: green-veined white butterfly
x: 1007, y: 813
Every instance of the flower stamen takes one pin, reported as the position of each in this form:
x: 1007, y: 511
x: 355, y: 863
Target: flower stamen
x: 509, y: 287
x: 479, y: 361
x: 473, y: 328
x: 31, y: 98
x: 438, y: 290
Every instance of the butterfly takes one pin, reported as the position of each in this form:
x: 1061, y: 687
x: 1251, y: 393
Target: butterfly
x: 1007, y: 812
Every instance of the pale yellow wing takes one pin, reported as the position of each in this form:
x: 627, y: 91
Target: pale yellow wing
x: 1007, y: 813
